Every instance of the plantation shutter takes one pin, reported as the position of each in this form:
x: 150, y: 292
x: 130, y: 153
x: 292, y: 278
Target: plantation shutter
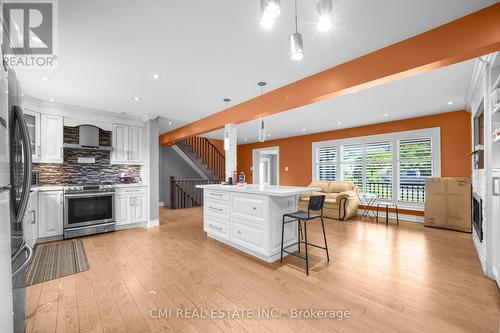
x: 378, y: 169
x: 415, y: 165
x: 327, y: 163
x: 352, y: 164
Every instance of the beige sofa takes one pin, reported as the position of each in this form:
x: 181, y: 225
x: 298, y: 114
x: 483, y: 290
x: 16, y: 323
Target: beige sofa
x: 341, y: 202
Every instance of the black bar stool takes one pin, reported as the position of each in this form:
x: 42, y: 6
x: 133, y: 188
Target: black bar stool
x: 316, y: 203
x: 387, y: 205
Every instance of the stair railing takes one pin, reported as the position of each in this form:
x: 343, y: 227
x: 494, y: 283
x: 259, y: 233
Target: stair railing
x: 184, y: 194
x: 210, y: 155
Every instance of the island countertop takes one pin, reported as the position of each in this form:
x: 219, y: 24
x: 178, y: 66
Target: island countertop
x: 270, y: 190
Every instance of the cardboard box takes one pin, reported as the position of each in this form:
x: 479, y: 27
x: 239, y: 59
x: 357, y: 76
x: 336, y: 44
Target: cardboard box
x: 448, y: 203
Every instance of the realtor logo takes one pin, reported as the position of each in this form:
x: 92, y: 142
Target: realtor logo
x: 29, y: 34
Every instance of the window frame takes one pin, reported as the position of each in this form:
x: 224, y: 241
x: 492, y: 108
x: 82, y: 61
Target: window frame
x: 433, y: 133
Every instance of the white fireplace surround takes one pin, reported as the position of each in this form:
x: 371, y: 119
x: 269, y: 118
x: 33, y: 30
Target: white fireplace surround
x: 486, y: 72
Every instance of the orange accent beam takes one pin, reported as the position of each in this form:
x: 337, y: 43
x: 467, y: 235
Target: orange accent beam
x: 468, y: 37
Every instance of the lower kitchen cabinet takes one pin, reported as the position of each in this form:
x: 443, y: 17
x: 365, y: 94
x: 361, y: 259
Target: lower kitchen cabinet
x: 30, y: 225
x: 130, y: 206
x: 51, y: 217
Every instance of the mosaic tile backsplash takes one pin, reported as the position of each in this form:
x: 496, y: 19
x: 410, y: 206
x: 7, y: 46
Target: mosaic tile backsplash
x: 72, y: 172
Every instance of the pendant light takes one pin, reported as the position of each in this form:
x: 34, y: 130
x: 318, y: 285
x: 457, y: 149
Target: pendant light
x: 296, y: 45
x: 262, y: 128
x: 226, y: 134
x: 325, y: 10
x: 270, y: 10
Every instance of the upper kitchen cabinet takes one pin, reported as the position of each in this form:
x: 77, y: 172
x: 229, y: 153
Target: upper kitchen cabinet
x: 52, y: 139
x: 128, y: 144
x: 33, y: 123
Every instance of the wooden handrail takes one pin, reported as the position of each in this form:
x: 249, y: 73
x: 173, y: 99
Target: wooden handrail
x: 209, y: 154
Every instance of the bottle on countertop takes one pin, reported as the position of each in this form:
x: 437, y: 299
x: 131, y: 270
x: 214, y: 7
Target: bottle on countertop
x: 242, y: 178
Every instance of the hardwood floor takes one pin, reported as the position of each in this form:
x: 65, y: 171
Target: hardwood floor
x: 406, y: 279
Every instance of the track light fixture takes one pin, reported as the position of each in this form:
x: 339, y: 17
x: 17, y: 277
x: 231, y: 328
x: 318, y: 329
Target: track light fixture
x: 262, y: 128
x: 296, y: 45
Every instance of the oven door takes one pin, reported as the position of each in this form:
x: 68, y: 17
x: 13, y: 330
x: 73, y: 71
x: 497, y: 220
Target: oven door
x: 88, y: 209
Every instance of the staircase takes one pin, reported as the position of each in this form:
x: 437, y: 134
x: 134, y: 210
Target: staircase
x: 205, y: 156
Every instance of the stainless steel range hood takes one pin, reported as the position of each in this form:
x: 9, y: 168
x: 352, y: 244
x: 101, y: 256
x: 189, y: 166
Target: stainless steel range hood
x: 88, y: 139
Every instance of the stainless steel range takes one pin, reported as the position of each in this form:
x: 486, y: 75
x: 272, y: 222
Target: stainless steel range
x: 88, y: 210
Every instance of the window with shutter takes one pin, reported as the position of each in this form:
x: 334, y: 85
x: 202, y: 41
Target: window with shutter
x: 352, y: 164
x: 415, y: 165
x: 327, y: 163
x: 378, y: 169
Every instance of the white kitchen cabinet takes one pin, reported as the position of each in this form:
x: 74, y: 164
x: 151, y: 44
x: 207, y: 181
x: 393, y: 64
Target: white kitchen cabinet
x: 52, y: 139
x: 33, y: 123
x: 30, y: 226
x: 128, y: 142
x: 120, y: 144
x: 130, y: 206
x: 50, y: 219
x: 138, y: 208
x: 136, y: 143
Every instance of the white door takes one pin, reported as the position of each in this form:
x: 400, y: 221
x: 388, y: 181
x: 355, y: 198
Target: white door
x: 33, y: 122
x: 120, y: 144
x: 265, y: 171
x: 135, y: 144
x: 50, y: 220
x: 138, y: 208
x: 122, y: 209
x: 52, y: 128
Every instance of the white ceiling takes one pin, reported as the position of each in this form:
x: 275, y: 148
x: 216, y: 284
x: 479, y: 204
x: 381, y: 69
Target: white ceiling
x: 208, y: 50
x: 424, y: 94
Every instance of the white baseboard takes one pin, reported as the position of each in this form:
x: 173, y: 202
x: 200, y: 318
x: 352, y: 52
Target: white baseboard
x: 153, y: 224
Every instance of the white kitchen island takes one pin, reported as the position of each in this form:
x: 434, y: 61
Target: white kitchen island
x: 249, y: 218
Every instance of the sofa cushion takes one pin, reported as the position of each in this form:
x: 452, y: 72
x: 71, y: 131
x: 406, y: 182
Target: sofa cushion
x: 340, y: 186
x: 321, y: 184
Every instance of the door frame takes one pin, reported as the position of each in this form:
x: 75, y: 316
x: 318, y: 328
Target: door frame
x: 256, y: 153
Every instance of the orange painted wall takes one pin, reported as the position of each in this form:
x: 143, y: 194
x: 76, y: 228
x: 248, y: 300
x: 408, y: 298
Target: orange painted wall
x: 296, y: 152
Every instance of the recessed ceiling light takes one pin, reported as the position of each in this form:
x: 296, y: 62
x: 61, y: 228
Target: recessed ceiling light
x: 339, y: 123
x: 156, y: 76
x: 52, y: 100
x: 137, y: 99
x: 245, y: 139
x: 450, y: 102
x: 304, y: 129
x: 46, y: 78
x: 386, y: 115
x: 269, y: 135
x: 170, y: 123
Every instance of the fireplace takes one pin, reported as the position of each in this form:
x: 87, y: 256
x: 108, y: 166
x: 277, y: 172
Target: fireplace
x: 477, y: 215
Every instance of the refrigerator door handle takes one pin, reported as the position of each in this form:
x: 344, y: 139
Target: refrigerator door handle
x: 496, y: 186
x: 26, y: 263
x: 27, y: 159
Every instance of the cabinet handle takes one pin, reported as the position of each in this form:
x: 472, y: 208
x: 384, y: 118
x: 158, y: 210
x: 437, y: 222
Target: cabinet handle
x: 62, y: 152
x: 216, y: 194
x: 33, y: 213
x: 254, y: 208
x: 217, y: 209
x: 61, y: 199
x: 496, y: 185
x: 217, y: 228
x: 238, y: 232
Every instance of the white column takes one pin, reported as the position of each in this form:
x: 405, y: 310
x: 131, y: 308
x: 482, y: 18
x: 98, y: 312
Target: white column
x: 230, y: 146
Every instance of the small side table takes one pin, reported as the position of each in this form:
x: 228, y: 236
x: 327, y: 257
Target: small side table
x: 367, y: 200
x: 387, y: 205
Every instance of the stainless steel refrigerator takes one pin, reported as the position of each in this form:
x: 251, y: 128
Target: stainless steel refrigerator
x: 15, y: 182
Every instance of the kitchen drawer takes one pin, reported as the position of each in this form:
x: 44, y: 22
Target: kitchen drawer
x: 219, y: 195
x: 251, y: 237
x: 217, y: 228
x: 217, y: 208
x: 131, y: 190
x: 249, y: 207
